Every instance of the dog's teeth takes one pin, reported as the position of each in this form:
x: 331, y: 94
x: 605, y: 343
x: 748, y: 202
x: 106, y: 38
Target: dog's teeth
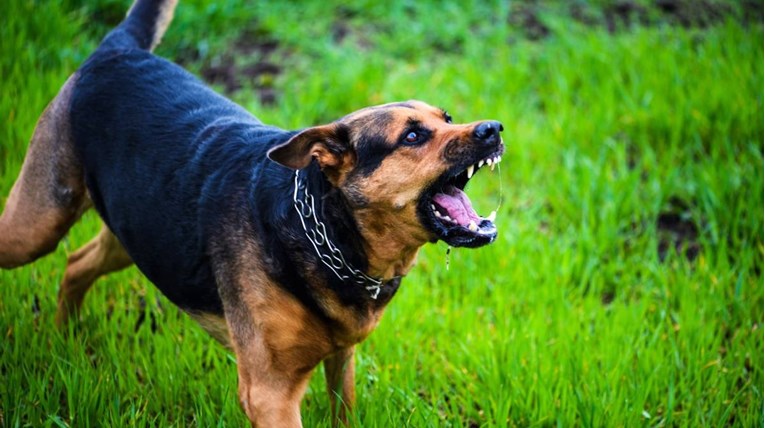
x: 438, y: 214
x: 492, y: 166
x: 472, y: 226
x: 480, y: 163
x: 446, y: 217
x: 489, y: 161
x: 492, y: 216
x: 470, y: 171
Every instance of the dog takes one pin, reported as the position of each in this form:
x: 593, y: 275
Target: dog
x: 285, y: 245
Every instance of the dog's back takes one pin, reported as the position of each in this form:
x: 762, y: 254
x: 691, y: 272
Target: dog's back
x: 131, y: 127
x: 178, y: 146
x: 50, y: 194
x: 171, y: 146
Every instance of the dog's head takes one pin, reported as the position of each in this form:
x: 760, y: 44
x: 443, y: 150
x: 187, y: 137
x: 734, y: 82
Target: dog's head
x: 404, y: 165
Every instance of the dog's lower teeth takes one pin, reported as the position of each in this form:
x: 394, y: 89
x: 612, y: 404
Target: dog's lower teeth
x: 492, y: 216
x: 472, y: 226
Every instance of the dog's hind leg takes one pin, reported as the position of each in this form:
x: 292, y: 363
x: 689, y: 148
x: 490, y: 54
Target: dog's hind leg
x: 49, y: 194
x: 102, y: 255
x: 339, y: 373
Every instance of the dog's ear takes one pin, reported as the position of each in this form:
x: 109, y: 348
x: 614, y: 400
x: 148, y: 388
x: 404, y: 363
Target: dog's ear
x: 328, y: 144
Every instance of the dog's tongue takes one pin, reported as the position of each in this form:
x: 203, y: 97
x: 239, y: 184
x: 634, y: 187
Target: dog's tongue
x: 457, y: 206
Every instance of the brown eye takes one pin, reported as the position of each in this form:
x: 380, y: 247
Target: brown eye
x: 411, y: 137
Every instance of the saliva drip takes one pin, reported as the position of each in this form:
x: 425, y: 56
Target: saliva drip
x: 501, y: 191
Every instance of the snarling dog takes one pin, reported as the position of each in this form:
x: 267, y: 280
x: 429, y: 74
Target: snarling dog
x: 285, y: 245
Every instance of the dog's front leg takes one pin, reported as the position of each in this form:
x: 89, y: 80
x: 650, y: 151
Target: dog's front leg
x: 278, y: 343
x: 270, y: 398
x: 275, y: 358
x: 339, y: 373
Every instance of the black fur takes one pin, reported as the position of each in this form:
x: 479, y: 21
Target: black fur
x: 175, y: 169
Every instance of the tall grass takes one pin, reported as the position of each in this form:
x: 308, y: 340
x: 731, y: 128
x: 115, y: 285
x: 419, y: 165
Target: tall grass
x: 573, y: 317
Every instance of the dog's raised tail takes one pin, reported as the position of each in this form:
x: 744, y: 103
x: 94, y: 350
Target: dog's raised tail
x: 144, y: 26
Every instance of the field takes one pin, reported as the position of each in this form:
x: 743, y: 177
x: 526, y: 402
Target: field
x: 625, y: 288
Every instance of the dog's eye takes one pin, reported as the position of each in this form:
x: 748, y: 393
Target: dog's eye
x: 412, y: 138
x: 415, y: 136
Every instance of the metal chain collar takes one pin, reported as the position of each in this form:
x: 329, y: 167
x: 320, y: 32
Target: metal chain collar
x: 325, y: 249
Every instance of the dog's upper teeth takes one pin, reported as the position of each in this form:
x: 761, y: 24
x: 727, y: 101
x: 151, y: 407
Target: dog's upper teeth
x: 480, y: 163
x: 470, y: 171
x: 472, y: 226
x: 492, y: 216
x: 488, y: 161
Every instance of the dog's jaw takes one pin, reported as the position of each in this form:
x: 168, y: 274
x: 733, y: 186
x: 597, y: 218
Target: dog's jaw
x: 446, y: 210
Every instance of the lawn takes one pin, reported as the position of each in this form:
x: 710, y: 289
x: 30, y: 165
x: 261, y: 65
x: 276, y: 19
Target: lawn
x: 626, y: 285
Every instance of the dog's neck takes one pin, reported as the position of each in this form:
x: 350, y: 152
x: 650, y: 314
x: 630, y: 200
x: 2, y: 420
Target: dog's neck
x: 332, y: 232
x: 374, y: 240
x: 391, y: 247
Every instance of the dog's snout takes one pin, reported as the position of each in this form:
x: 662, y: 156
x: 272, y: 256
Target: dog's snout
x: 488, y: 131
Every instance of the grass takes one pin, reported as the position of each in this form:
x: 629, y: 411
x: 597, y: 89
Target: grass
x: 625, y: 289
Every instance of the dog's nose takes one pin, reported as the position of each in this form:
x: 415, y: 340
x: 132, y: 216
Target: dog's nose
x: 488, y: 131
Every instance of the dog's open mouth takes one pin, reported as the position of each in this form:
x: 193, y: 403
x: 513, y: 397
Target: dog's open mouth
x: 448, y: 212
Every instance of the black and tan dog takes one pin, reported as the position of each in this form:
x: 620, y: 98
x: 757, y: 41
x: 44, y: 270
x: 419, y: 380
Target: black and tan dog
x: 285, y: 245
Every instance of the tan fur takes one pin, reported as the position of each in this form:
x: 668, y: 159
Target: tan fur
x: 393, y: 234
x: 103, y: 255
x: 279, y: 342
x: 339, y: 370
x: 166, y: 12
x: 215, y: 326
x: 49, y: 194
x: 164, y: 17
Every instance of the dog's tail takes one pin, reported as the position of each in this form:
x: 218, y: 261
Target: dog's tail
x: 146, y: 22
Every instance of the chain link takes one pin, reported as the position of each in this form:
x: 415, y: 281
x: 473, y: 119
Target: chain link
x: 317, y: 235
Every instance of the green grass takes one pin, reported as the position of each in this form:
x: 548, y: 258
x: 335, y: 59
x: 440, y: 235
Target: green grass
x: 571, y: 318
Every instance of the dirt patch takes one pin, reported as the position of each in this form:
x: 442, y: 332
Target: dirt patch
x: 248, y: 63
x: 607, y: 297
x: 695, y: 13
x: 677, y: 231
x: 623, y: 14
x: 525, y: 18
